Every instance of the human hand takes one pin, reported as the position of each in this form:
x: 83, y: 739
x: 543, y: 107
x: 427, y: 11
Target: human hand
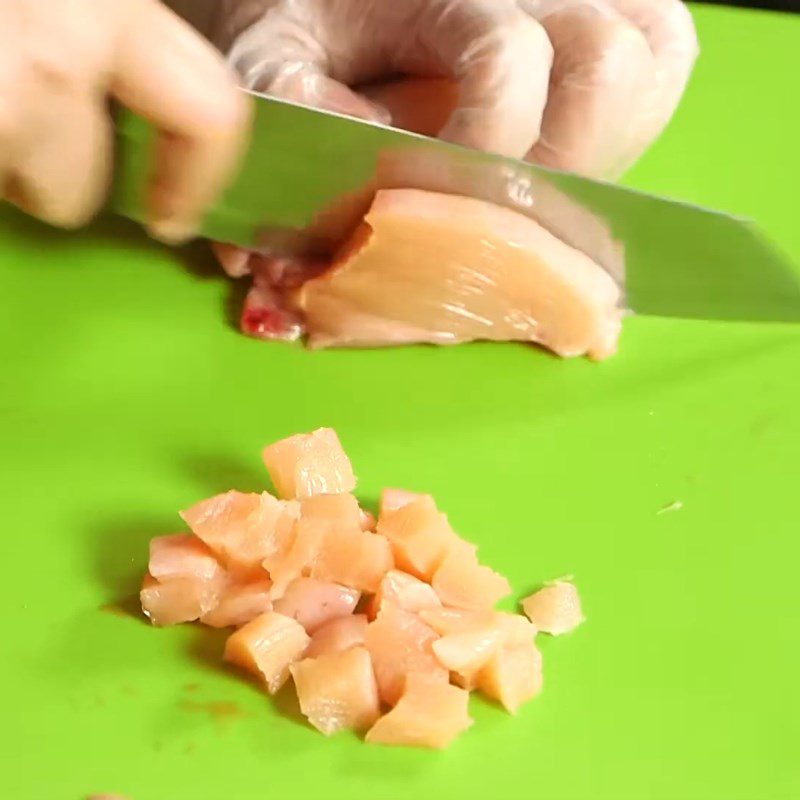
x: 59, y: 64
x: 578, y: 85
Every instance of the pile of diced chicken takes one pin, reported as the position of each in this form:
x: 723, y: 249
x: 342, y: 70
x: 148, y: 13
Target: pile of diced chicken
x: 385, y: 625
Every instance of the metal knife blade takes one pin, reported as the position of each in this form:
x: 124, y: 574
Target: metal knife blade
x: 309, y: 175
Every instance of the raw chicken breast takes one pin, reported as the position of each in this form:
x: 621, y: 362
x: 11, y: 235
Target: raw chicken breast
x: 404, y: 591
x: 555, y: 609
x: 337, y: 690
x: 420, y: 536
x: 512, y: 676
x: 309, y: 464
x: 338, y: 635
x: 178, y: 599
x: 430, y: 713
x: 429, y: 267
x: 400, y: 643
x: 313, y: 603
x: 242, y: 529
x: 267, y: 646
x: 462, y: 582
x: 182, y: 556
x: 239, y: 603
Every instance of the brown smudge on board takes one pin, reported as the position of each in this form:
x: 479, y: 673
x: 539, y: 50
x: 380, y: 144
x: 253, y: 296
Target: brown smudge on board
x: 115, y: 609
x: 219, y: 710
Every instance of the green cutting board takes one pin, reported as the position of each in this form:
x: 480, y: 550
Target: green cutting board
x: 126, y: 393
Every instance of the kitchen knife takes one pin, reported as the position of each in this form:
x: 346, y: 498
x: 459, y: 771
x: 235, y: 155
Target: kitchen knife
x: 309, y: 175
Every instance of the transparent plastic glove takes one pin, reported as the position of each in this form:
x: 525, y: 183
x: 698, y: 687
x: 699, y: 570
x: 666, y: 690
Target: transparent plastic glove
x: 61, y: 60
x: 619, y: 72
x: 314, y: 51
x: 580, y: 85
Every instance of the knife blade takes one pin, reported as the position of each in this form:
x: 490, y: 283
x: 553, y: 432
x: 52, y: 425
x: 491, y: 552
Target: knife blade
x: 309, y: 175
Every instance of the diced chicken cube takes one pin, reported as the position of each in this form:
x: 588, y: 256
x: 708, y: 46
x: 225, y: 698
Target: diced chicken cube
x: 296, y: 559
x: 462, y: 582
x: 513, y: 675
x: 555, y: 609
x: 182, y: 556
x: 353, y: 557
x: 239, y: 603
x: 405, y: 591
x: 341, y: 509
x: 267, y: 646
x: 313, y: 603
x: 399, y: 643
x: 338, y: 635
x: 466, y: 652
x: 420, y: 536
x: 337, y: 690
x: 178, y: 600
x: 392, y: 499
x: 430, y: 713
x: 309, y: 464
x: 242, y: 529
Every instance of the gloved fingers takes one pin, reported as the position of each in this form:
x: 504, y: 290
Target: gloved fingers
x: 602, y: 70
x: 420, y: 105
x: 304, y: 84
x: 281, y: 55
x: 61, y: 170
x: 165, y: 72
x: 669, y: 29
x: 501, y: 59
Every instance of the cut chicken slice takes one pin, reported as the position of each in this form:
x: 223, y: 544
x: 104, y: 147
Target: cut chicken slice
x: 429, y: 267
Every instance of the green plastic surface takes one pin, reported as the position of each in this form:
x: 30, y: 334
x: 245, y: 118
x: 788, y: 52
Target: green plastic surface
x: 126, y: 394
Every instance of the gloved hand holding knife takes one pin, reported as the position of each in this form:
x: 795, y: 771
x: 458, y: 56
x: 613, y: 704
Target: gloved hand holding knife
x: 582, y: 85
x: 579, y: 85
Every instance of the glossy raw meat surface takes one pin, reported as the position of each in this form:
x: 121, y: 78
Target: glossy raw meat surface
x: 437, y: 268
